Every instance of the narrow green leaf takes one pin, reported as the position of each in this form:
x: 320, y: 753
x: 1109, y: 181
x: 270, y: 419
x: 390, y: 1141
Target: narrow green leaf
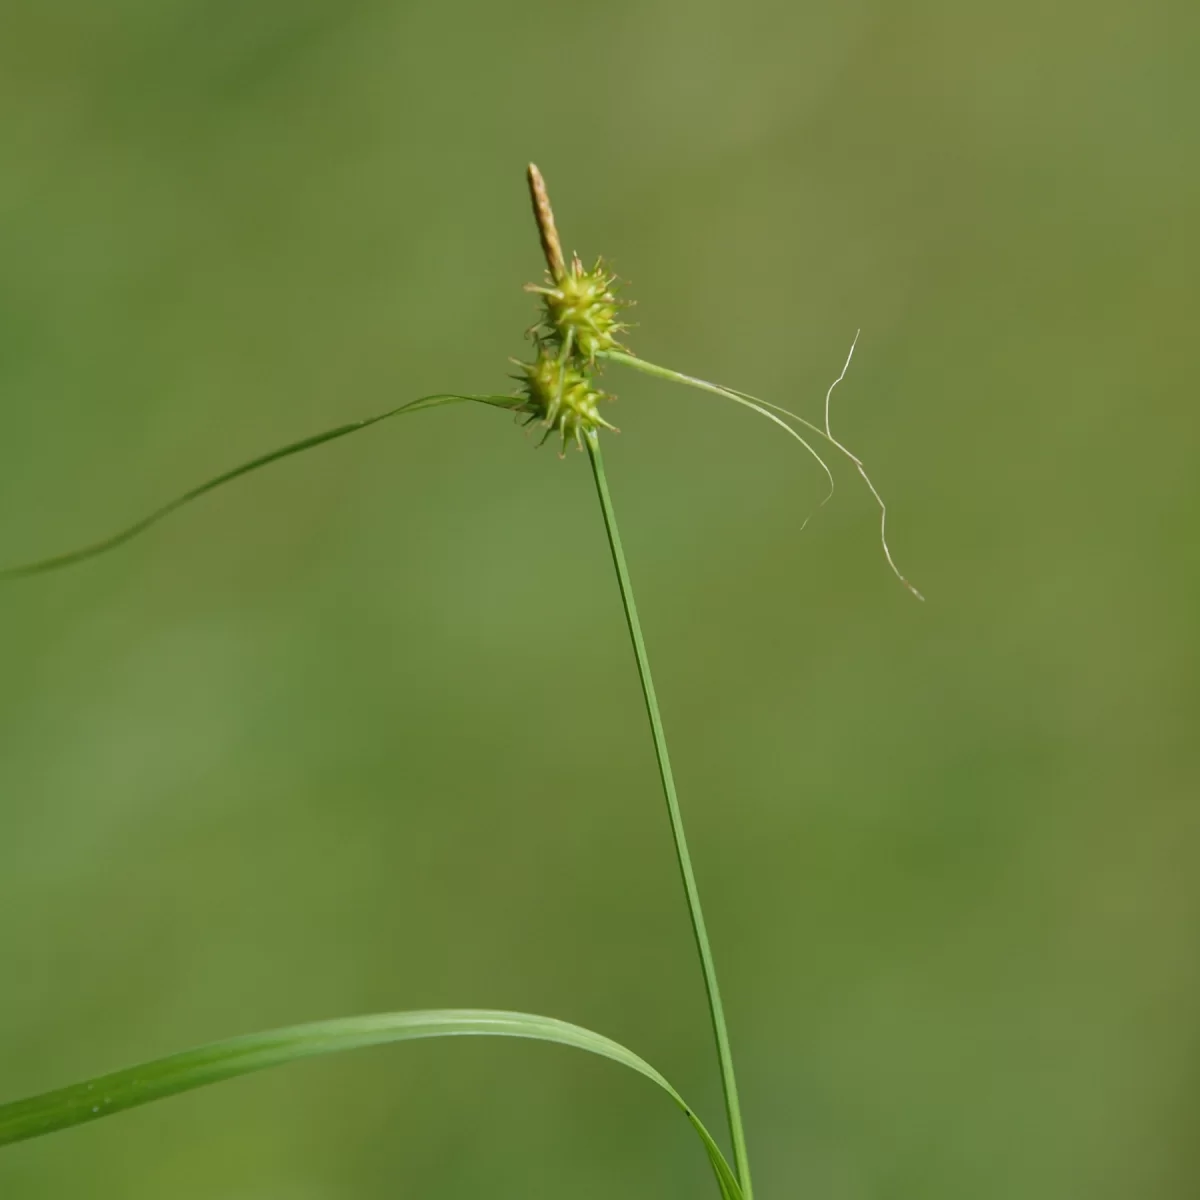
x: 113, y: 1093
x: 773, y: 413
x: 308, y: 443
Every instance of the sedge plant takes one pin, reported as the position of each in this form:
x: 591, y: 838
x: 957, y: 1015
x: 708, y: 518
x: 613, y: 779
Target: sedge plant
x: 578, y: 333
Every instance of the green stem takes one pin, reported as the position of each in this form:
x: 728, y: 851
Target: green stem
x: 707, y: 966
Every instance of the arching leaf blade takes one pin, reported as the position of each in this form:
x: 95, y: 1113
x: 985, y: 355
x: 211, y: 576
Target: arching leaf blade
x: 112, y: 542
x: 105, y: 1095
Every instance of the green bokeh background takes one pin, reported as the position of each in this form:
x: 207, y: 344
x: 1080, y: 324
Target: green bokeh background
x: 362, y: 732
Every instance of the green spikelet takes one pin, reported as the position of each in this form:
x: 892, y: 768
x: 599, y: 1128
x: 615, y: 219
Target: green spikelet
x: 581, y: 310
x: 560, y: 395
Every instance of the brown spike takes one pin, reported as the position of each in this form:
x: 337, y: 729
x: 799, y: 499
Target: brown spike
x: 544, y: 215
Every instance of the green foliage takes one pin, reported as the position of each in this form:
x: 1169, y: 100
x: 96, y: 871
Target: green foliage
x: 105, y: 1095
x: 118, y: 539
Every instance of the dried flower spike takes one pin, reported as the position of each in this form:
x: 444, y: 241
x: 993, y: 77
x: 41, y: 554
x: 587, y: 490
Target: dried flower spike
x: 543, y: 214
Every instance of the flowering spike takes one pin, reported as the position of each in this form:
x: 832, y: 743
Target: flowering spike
x: 579, y: 322
x: 582, y: 306
x: 544, y: 215
x: 560, y: 394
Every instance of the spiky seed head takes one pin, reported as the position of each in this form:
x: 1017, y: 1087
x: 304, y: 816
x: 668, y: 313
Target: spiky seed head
x: 582, y: 309
x: 560, y: 395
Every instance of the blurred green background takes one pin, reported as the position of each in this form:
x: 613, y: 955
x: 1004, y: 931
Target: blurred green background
x: 362, y: 732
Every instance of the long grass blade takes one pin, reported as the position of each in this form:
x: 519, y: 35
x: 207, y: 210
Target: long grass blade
x: 105, y: 1095
x: 93, y: 549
